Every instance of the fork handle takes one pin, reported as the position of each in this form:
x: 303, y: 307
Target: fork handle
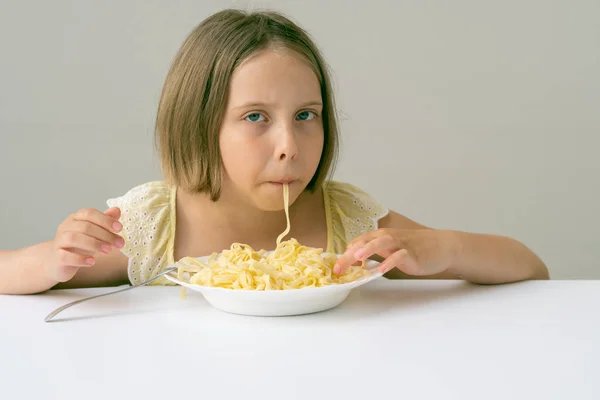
x: 62, y: 308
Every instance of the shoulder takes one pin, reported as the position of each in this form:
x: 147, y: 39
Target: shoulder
x: 353, y: 211
x: 145, y: 195
x: 148, y: 226
x: 143, y: 205
x: 353, y: 200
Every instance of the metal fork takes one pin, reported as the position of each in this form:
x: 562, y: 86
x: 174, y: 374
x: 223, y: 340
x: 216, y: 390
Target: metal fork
x: 62, y: 308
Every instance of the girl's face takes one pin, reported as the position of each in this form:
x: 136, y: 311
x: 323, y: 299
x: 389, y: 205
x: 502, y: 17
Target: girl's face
x: 272, y: 131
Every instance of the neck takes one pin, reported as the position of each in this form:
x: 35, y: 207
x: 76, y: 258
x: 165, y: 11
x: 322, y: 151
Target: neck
x: 236, y: 221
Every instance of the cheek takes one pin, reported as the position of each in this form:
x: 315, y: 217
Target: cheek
x: 241, y: 157
x: 230, y: 154
x: 313, y: 147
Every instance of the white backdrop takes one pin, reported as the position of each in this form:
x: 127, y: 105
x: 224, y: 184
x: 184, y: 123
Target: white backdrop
x: 470, y: 115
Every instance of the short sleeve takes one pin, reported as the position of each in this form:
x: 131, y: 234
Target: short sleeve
x: 148, y: 228
x: 353, y: 212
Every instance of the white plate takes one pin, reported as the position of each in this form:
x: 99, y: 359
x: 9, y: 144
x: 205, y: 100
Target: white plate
x: 277, y: 302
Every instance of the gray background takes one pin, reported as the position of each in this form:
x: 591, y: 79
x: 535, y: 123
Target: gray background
x: 470, y: 115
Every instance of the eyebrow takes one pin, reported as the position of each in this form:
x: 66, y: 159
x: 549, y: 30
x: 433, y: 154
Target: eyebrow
x: 261, y: 104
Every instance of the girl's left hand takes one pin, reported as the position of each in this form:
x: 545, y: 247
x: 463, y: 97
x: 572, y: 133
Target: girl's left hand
x: 416, y: 252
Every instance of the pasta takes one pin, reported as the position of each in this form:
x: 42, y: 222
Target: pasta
x: 290, y: 266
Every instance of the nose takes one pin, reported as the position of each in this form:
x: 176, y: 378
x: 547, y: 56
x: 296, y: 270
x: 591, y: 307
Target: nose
x: 286, y: 148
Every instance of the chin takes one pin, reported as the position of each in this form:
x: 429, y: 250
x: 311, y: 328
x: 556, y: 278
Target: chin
x: 268, y: 203
x: 271, y: 199
x: 270, y: 207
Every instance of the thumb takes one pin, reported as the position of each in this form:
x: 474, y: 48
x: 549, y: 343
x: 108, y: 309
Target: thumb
x: 113, y: 212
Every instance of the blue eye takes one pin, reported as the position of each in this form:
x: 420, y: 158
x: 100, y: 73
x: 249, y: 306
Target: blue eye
x: 306, y: 115
x: 254, y: 117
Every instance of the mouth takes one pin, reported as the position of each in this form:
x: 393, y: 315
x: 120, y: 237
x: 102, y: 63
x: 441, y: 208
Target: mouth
x: 283, y: 181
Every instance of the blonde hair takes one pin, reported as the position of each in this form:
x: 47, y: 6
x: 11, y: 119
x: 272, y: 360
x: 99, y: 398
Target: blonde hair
x: 194, y: 95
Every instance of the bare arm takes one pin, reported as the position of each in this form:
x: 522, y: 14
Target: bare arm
x: 410, y: 250
x: 23, y: 271
x: 85, y: 252
x: 492, y: 259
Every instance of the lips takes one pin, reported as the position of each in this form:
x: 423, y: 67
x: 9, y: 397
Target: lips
x: 282, y: 181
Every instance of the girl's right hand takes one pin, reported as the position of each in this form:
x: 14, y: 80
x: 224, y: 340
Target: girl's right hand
x: 80, y: 239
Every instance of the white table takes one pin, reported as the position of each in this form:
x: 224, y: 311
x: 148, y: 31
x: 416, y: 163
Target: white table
x: 389, y: 340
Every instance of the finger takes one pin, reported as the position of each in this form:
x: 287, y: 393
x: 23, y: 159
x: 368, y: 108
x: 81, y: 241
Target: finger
x: 348, y: 258
x: 382, y: 245
x: 98, y: 218
x: 70, y: 259
x: 113, y: 212
x: 345, y: 261
x: 94, y: 231
x: 401, y: 260
x: 83, y: 244
x: 80, y: 251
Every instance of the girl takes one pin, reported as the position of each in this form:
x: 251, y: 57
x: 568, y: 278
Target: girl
x: 248, y: 106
